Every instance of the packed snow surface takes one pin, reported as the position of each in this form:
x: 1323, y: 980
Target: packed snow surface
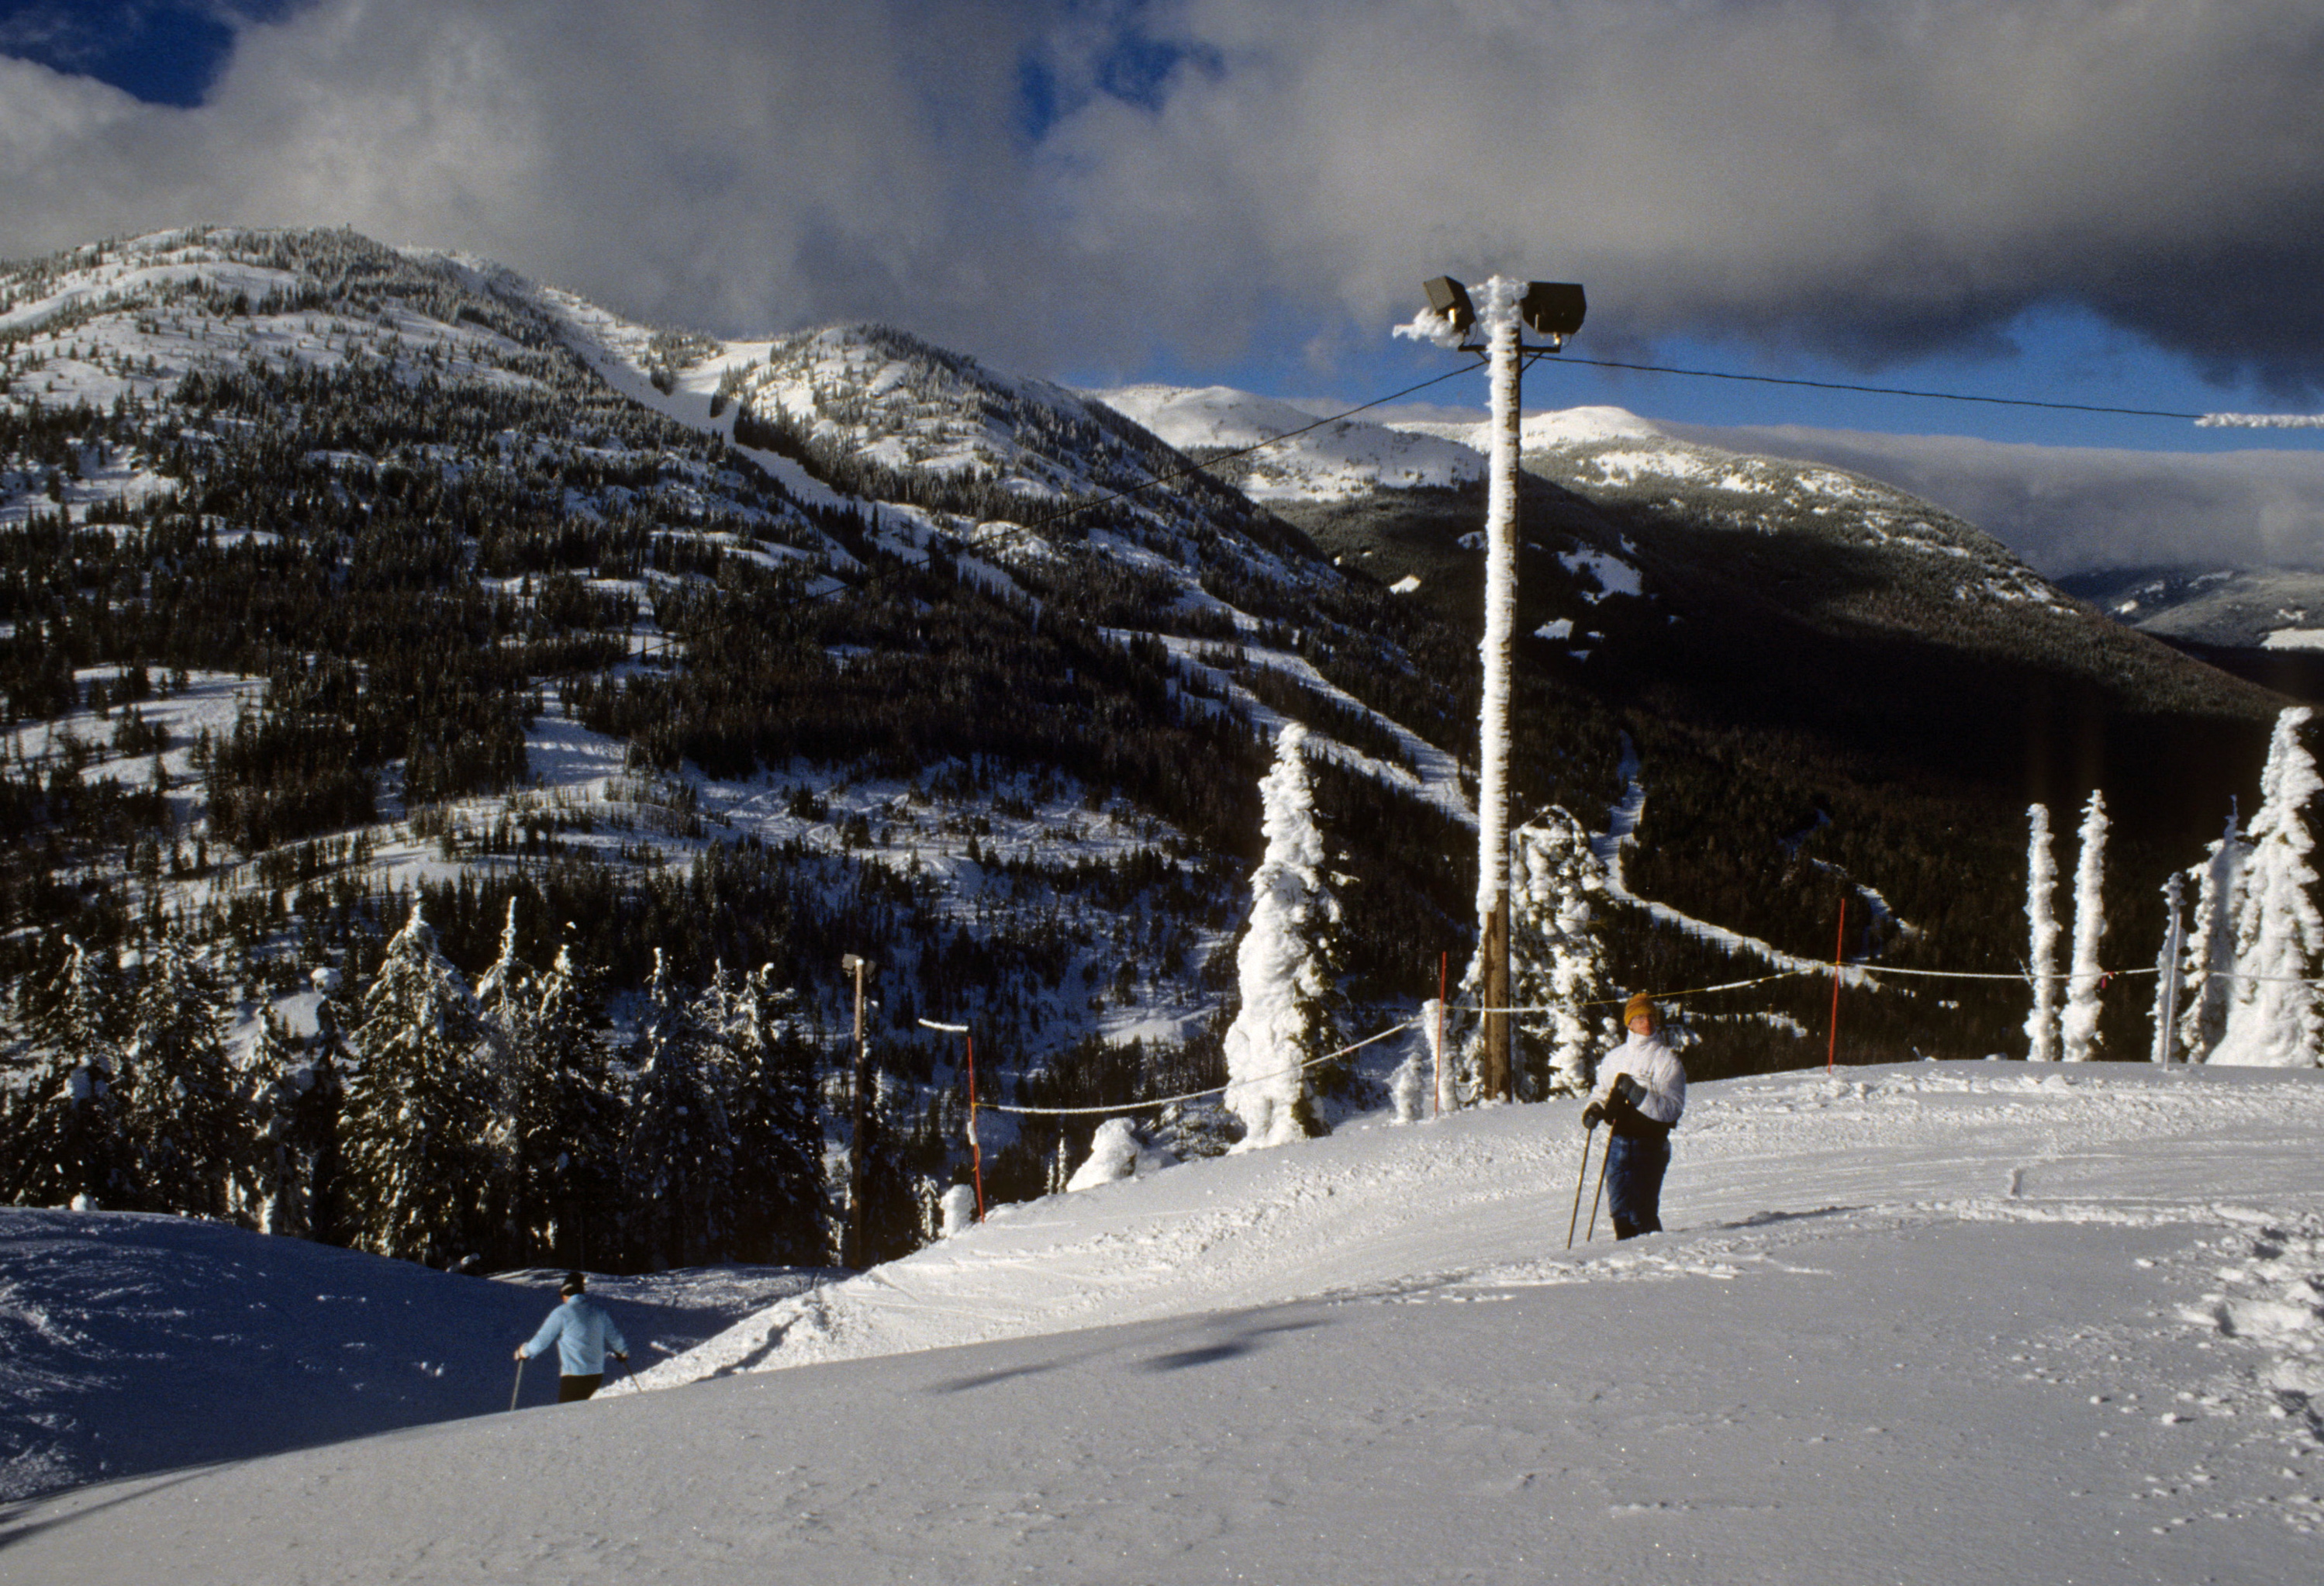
x: 1933, y: 1322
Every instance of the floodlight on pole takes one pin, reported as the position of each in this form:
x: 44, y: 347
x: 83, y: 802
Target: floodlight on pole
x: 1552, y: 310
x: 975, y: 1146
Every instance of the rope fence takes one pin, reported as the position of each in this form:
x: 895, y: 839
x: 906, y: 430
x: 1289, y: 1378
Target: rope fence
x: 2022, y: 977
x: 1197, y: 1095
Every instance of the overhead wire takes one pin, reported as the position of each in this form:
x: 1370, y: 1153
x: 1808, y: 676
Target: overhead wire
x: 1940, y: 396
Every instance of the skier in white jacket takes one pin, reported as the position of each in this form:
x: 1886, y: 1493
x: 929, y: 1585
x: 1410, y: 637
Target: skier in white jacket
x: 1641, y: 1093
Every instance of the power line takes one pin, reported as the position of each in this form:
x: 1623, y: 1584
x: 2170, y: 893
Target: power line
x: 1188, y: 472
x: 1940, y: 396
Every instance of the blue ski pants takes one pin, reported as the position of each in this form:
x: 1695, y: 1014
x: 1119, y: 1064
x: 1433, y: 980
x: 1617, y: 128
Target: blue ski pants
x: 1634, y: 1166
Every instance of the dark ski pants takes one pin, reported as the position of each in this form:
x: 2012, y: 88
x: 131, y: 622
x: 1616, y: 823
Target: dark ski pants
x: 571, y: 1390
x: 1634, y: 1166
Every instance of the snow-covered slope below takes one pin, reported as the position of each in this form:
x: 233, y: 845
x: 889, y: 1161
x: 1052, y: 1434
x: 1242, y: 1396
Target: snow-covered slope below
x: 1972, y: 1322
x: 131, y: 1343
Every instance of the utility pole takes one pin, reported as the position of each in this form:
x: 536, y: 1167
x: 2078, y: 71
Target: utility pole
x: 1553, y: 309
x: 851, y: 1252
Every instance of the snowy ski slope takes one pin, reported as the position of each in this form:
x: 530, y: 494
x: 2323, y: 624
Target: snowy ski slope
x: 1936, y: 1323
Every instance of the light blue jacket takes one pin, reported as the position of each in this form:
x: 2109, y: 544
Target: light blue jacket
x: 582, y: 1333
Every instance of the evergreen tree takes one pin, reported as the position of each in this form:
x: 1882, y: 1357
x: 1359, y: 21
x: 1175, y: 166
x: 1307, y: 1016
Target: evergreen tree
x: 566, y: 1122
x: 504, y: 989
x: 2273, y: 1018
x: 2210, y: 954
x: 317, y: 1115
x: 187, y: 1132
x: 62, y: 1126
x: 2041, y: 917
x: 1558, y: 965
x: 274, y: 1187
x: 1284, y: 965
x: 771, y: 1097
x: 2078, y: 1028
x: 421, y: 1133
x: 2170, y: 985
x: 677, y: 1158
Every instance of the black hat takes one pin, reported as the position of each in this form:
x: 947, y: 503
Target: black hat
x: 574, y: 1283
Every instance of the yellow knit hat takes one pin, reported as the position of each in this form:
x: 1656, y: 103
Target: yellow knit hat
x: 1641, y: 1003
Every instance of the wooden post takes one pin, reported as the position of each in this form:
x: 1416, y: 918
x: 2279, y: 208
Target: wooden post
x: 851, y: 1255
x: 1497, y: 650
x: 1839, y: 951
x: 1443, y: 971
x: 975, y: 1146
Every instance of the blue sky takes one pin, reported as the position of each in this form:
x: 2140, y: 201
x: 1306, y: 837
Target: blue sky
x: 2071, y: 201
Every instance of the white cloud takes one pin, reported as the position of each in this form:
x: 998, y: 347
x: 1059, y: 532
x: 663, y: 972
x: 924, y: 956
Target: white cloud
x: 2085, y: 509
x: 1857, y: 178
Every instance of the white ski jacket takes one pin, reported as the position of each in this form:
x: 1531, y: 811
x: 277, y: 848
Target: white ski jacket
x: 1653, y: 1065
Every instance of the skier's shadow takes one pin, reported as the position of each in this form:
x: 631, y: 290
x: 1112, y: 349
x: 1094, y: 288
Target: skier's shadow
x: 1225, y: 1349
x: 12, y: 1530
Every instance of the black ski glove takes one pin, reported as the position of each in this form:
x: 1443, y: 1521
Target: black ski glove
x: 1593, y: 1116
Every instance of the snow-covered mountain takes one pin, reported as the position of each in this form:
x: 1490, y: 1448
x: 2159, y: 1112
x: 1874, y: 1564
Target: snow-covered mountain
x: 334, y: 575
x: 1338, y: 458
x: 1955, y: 1322
x: 2269, y: 609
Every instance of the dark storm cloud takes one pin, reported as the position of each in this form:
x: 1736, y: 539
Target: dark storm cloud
x: 1088, y: 181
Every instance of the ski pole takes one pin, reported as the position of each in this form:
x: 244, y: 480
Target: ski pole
x: 1601, y: 1188
x: 1588, y: 1137
x: 520, y: 1382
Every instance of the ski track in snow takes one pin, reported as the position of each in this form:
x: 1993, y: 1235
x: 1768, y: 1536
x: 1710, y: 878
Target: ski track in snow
x: 1438, y: 775
x: 1621, y: 831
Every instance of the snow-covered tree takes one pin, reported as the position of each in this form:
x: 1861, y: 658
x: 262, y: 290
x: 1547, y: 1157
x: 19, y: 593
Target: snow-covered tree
x: 565, y: 1126
x: 423, y: 1125
x: 678, y: 1155
x: 1284, y: 965
x: 1558, y: 962
x: 1116, y: 1152
x: 318, y: 1116
x: 768, y: 1081
x: 2041, y: 917
x: 187, y: 1132
x: 2078, y: 1029
x: 505, y: 991
x: 2273, y: 1018
x: 271, y: 1186
x: 61, y: 1126
x: 2211, y: 951
x: 2169, y: 986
